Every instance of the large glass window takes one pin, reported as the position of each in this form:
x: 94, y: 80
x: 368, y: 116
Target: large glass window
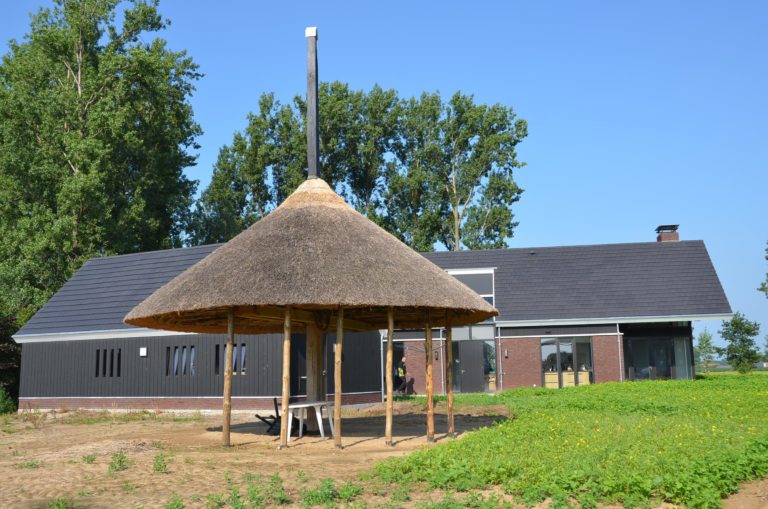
x: 479, y: 280
x: 566, y: 362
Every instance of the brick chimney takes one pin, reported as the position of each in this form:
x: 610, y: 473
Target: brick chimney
x: 667, y: 233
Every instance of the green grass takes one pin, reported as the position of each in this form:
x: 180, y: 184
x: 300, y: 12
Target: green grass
x: 684, y: 442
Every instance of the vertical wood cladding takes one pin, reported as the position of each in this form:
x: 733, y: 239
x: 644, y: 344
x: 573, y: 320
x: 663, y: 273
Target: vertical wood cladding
x: 68, y: 368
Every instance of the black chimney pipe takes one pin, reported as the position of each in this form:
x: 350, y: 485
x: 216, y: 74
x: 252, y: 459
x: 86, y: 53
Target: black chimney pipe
x: 313, y: 140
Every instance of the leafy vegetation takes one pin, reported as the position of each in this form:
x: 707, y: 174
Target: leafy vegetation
x: 684, y: 442
x: 89, y: 459
x: 61, y: 503
x: 764, y: 285
x: 7, y: 405
x: 704, y: 350
x: 119, y: 462
x: 160, y: 464
x: 30, y: 464
x: 741, y: 349
x: 96, y: 129
x: 430, y: 170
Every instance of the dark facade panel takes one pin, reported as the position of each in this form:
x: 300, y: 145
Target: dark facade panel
x: 69, y: 368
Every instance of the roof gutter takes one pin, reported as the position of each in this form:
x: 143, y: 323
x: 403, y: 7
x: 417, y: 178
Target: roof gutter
x: 612, y: 320
x: 134, y: 332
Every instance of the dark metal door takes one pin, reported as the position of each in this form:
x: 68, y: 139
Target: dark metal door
x: 471, y: 366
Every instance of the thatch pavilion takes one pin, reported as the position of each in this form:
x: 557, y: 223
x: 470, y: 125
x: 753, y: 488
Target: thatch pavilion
x: 315, y: 264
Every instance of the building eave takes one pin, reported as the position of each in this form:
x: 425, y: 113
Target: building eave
x: 612, y: 320
x: 134, y: 332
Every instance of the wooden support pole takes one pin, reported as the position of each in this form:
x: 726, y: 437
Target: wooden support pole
x: 315, y: 367
x: 337, y: 380
x: 449, y: 371
x: 286, y: 378
x: 227, y: 410
x: 430, y: 391
x: 390, y: 395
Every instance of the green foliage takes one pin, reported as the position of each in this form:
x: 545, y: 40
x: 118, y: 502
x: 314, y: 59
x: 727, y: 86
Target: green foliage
x: 30, y: 464
x: 214, y: 501
x: 741, y: 349
x: 119, y: 462
x: 175, y: 503
x: 326, y: 493
x: 426, y: 170
x: 95, y: 131
x: 275, y: 491
x: 683, y: 442
x: 160, y: 464
x: 705, y: 350
x: 89, y: 459
x: 61, y: 503
x: 10, y: 360
x: 7, y: 405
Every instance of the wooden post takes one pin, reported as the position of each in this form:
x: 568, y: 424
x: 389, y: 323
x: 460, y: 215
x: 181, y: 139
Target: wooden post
x: 337, y: 379
x: 286, y: 378
x: 449, y: 371
x: 390, y: 395
x: 315, y: 388
x: 227, y: 410
x: 430, y: 391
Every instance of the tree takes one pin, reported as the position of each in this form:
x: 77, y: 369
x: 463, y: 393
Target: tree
x: 95, y: 131
x: 764, y: 286
x: 741, y: 349
x: 430, y: 173
x: 705, y: 349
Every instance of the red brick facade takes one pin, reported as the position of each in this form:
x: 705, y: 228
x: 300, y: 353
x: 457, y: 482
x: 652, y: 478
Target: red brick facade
x: 607, y: 352
x: 416, y: 362
x: 213, y: 403
x: 520, y: 362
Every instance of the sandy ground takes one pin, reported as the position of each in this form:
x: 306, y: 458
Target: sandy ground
x: 41, y: 459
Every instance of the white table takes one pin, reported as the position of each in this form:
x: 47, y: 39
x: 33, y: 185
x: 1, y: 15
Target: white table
x: 302, y: 408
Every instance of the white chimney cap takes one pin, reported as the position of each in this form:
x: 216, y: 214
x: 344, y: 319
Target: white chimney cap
x: 310, y: 32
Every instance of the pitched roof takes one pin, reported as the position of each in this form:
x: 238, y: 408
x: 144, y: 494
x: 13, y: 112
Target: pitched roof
x: 653, y: 279
x: 648, y: 279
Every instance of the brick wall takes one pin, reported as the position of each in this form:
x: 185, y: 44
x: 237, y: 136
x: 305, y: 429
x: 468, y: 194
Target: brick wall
x: 415, y: 363
x: 522, y: 365
x: 606, y: 352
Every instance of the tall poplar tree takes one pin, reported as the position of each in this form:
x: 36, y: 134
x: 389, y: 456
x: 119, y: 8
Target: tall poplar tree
x: 432, y: 173
x: 95, y: 131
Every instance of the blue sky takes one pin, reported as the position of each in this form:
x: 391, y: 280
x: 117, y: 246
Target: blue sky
x: 639, y: 114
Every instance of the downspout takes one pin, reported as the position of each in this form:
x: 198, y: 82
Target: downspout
x: 621, y: 354
x: 442, y: 360
x: 381, y: 359
x: 499, y: 361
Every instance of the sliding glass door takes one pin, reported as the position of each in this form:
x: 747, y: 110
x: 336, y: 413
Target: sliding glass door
x: 566, y: 362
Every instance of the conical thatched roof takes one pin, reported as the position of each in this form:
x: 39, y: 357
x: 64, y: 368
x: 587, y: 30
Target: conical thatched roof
x: 314, y: 253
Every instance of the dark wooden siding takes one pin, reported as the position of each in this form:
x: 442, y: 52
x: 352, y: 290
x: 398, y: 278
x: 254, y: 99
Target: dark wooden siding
x: 68, y: 368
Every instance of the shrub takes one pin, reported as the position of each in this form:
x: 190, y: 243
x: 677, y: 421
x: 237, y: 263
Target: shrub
x: 160, y: 465
x: 61, y: 503
x: 89, y: 459
x: 7, y: 405
x: 175, y: 503
x: 119, y: 462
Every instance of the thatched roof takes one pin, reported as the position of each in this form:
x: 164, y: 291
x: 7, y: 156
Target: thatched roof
x: 314, y: 253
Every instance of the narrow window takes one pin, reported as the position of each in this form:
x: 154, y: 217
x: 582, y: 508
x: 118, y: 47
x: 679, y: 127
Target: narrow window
x: 98, y: 354
x: 192, y: 360
x: 216, y: 361
x: 111, y: 362
x: 242, y: 359
x: 119, y: 350
x: 184, y: 360
x: 104, y: 363
x: 234, y: 359
x: 175, y: 360
x: 167, y: 360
